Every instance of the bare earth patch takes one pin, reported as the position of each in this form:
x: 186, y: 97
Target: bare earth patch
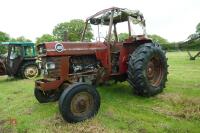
x: 6, y: 126
x: 58, y: 125
x: 189, y: 107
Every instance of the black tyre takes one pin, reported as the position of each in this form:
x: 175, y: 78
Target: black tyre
x: 147, y: 70
x: 29, y: 70
x: 79, y: 102
x: 47, y: 96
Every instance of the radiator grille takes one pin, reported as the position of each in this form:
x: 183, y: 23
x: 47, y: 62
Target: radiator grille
x: 52, y: 73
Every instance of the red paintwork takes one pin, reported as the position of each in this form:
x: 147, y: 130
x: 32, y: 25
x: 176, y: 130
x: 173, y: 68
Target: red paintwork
x: 47, y: 85
x: 44, y: 84
x: 108, y: 53
x: 102, y: 51
x: 72, y: 48
x: 103, y: 57
x: 123, y: 59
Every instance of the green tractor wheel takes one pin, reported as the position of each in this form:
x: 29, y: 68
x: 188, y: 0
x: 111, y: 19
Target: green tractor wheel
x: 29, y: 70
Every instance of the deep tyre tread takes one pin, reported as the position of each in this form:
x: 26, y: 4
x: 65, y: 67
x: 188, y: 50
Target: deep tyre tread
x: 137, y: 65
x: 66, y: 99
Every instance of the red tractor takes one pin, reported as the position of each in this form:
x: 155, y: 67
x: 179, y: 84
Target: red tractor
x: 72, y: 70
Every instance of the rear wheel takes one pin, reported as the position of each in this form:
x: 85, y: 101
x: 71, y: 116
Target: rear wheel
x: 29, y: 70
x: 147, y: 70
x: 2, y: 68
x: 79, y: 102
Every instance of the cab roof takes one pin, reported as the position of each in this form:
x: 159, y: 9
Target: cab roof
x: 18, y: 43
x: 120, y: 15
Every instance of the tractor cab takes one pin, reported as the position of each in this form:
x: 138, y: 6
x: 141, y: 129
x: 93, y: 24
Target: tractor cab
x: 111, y: 23
x: 16, y: 55
x: 122, y: 31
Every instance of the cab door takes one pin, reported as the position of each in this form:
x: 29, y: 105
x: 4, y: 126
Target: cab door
x: 14, y: 59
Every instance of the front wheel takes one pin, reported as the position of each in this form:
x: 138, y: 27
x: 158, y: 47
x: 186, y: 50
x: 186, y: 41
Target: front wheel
x: 47, y: 96
x: 147, y: 70
x: 79, y: 102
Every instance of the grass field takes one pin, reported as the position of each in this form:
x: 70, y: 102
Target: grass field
x: 177, y: 109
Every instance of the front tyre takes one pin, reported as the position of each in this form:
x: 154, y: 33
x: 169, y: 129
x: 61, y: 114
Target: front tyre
x: 147, y: 70
x: 79, y: 102
x: 47, y: 96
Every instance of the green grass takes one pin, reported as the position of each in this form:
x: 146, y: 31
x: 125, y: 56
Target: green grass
x: 177, y: 109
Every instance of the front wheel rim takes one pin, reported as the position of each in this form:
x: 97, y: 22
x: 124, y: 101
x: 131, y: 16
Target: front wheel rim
x: 82, y: 104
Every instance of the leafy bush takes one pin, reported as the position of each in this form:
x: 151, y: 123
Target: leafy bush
x: 195, y: 45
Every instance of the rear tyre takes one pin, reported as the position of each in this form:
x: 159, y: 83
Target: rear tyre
x: 147, y: 70
x: 29, y: 70
x: 2, y: 68
x: 46, y: 96
x: 79, y: 102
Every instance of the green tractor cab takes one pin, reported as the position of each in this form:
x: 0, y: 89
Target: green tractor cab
x: 19, y: 61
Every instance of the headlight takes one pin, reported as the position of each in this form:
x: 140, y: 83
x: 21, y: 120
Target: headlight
x: 50, y: 65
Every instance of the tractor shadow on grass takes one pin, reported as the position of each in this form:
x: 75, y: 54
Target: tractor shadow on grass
x: 116, y: 88
x: 119, y: 90
x: 4, y: 79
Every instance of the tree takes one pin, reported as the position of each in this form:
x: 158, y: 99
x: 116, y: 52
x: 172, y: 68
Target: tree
x: 20, y: 39
x: 163, y: 42
x: 74, y: 30
x: 3, y: 38
x: 198, y: 28
x: 158, y: 39
x: 122, y: 36
x: 45, y: 38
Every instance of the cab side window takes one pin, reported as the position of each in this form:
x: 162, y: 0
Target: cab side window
x: 15, y: 52
x: 28, y: 51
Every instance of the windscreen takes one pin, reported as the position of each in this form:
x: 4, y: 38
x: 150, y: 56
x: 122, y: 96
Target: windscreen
x: 28, y: 51
x: 100, y: 32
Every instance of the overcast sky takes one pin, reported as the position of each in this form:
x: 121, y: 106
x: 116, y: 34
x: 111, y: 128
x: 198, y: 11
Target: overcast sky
x: 172, y: 19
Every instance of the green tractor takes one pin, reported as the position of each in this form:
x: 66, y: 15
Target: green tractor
x: 19, y: 60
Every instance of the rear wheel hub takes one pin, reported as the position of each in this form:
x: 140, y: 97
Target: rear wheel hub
x: 154, y: 71
x: 31, y: 72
